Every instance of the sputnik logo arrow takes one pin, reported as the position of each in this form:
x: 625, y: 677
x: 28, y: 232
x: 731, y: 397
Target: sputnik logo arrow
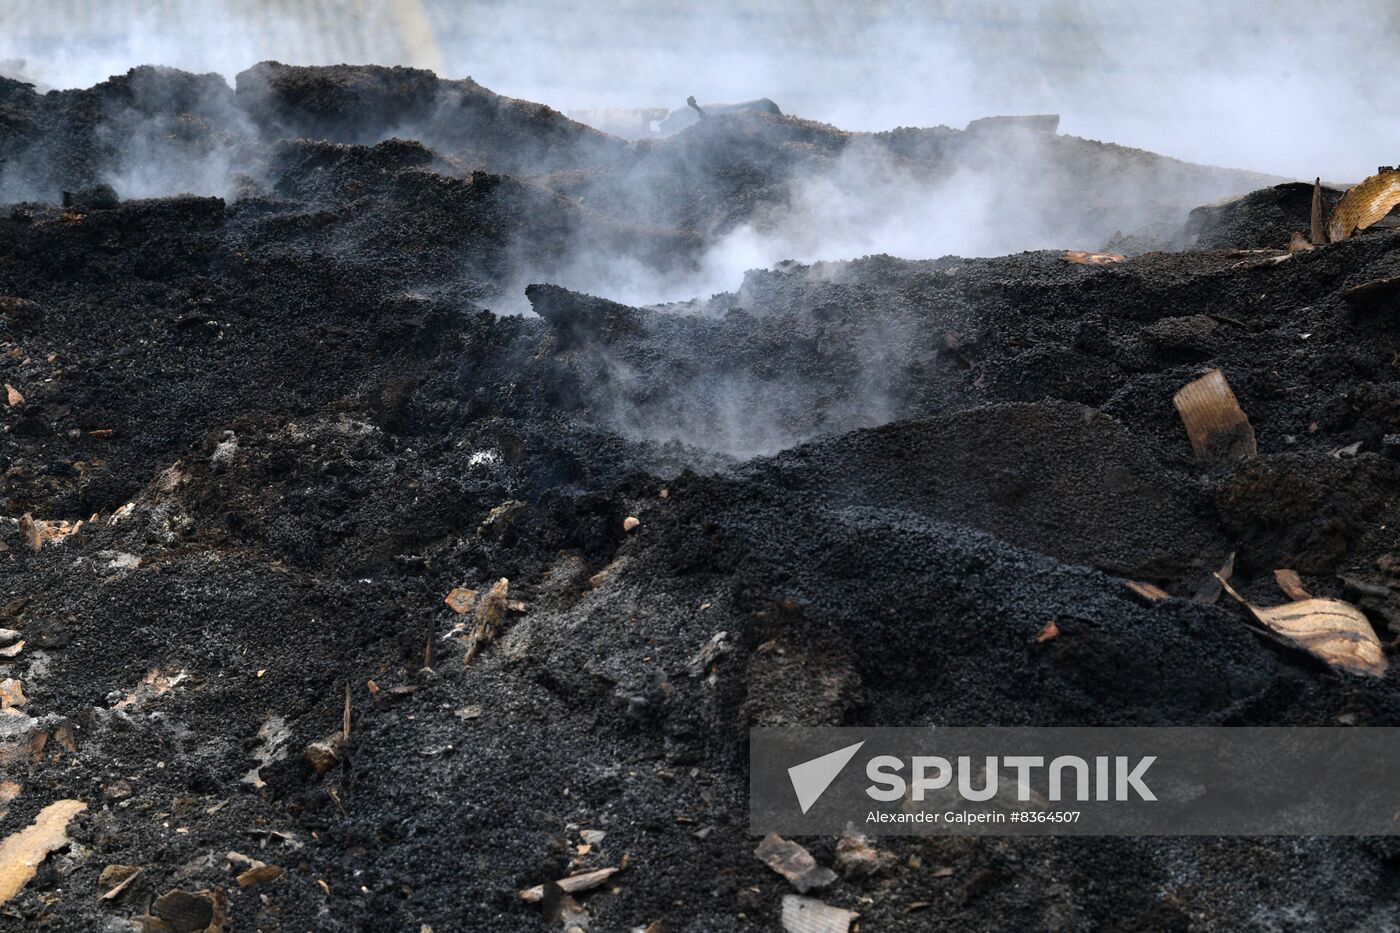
x: 811, y: 778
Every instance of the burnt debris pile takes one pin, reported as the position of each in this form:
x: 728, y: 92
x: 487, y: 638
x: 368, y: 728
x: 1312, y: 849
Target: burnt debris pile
x: 340, y: 600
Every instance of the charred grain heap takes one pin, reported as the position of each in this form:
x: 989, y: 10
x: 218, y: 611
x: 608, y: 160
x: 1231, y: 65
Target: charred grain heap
x: 275, y: 470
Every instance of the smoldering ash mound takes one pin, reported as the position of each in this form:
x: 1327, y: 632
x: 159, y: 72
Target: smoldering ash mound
x: 343, y: 600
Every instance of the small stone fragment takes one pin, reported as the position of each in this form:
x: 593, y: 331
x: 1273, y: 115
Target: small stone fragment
x: 499, y: 519
x: 186, y: 912
x: 11, y: 693
x: 490, y: 611
x: 708, y: 654
x: 117, y: 790
x: 117, y: 879
x: 324, y: 753
x: 793, y: 862
x: 856, y: 857
x: 460, y: 599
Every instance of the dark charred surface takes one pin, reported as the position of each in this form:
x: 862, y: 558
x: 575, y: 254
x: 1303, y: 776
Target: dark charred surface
x: 1265, y: 218
x: 292, y: 417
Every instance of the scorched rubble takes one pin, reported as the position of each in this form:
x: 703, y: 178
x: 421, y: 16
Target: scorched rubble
x: 880, y: 491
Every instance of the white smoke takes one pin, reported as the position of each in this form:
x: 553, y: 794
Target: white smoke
x: 1292, y: 87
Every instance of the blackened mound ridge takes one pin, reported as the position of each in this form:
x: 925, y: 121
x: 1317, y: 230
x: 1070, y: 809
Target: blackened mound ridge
x: 361, y: 104
x: 1057, y: 478
x: 1265, y: 218
x: 578, y: 318
x: 163, y: 131
x: 290, y: 427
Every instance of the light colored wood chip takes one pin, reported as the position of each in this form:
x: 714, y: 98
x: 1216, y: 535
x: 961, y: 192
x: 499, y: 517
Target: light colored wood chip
x: 1363, y: 205
x: 1216, y: 425
x: 1319, y: 230
x: 1291, y: 584
x: 1329, y: 629
x: 29, y: 530
x: 39, y: 532
x: 9, y: 790
x: 809, y: 915
x: 23, y: 852
x: 1149, y: 592
x: 1081, y: 258
x: 259, y: 874
x: 571, y: 885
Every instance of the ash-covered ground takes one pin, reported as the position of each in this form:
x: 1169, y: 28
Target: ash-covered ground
x: 291, y: 420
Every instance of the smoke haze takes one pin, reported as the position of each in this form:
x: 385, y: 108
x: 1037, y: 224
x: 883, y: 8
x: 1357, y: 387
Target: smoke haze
x: 1268, y: 93
x: 1215, y: 82
x: 1290, y: 88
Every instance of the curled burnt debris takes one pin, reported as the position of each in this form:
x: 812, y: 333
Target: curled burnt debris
x: 273, y: 469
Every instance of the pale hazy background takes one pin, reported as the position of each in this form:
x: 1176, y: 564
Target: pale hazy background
x: 1293, y: 87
